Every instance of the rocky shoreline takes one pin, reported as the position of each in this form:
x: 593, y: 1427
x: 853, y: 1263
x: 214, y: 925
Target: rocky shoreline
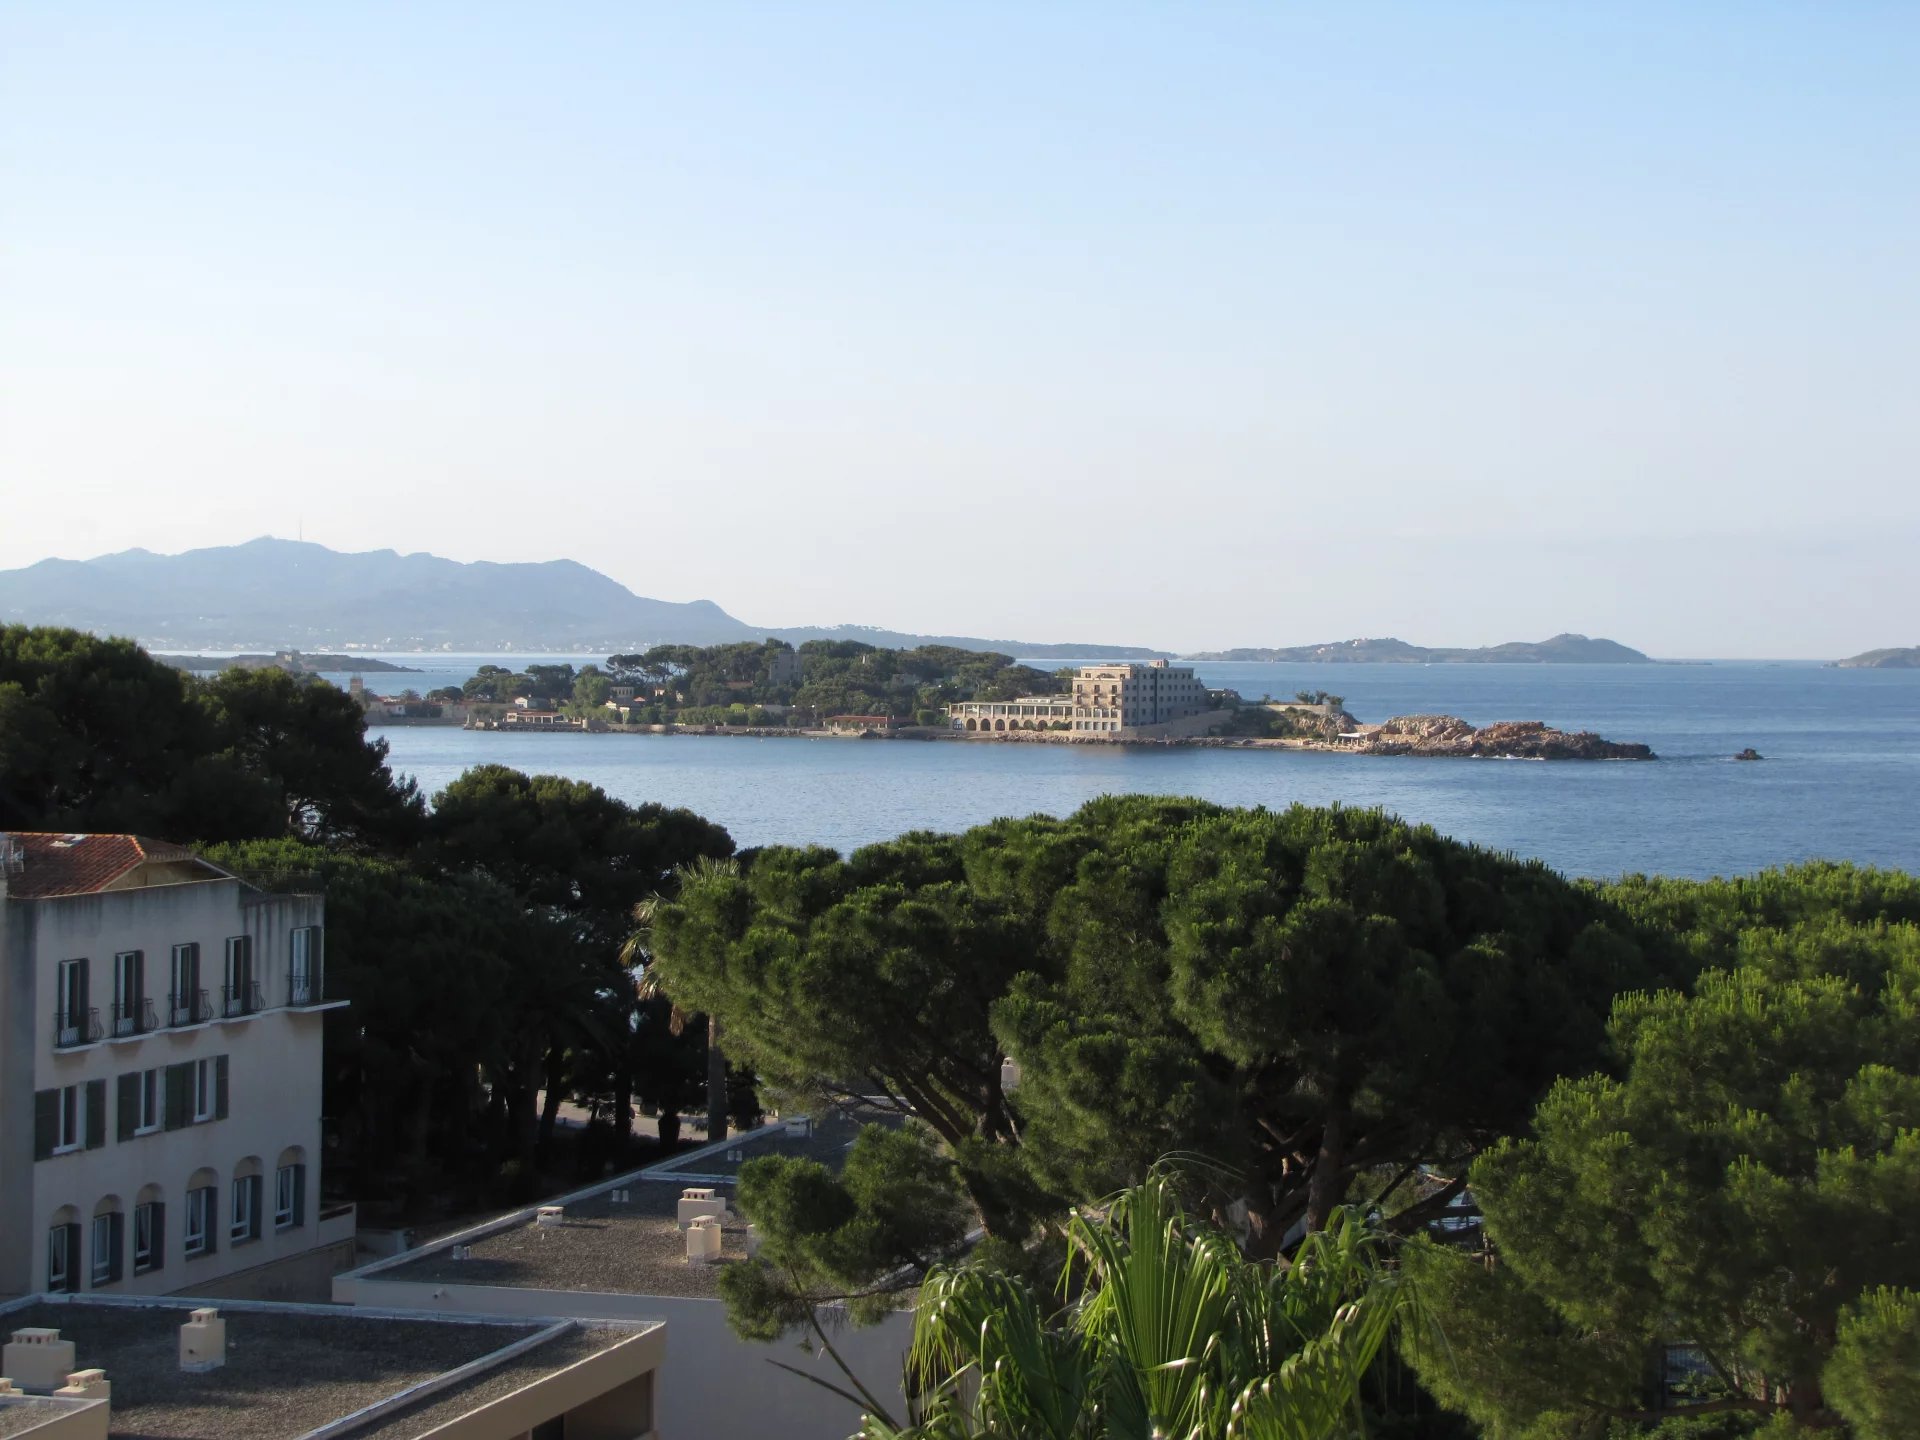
x: 1448, y: 735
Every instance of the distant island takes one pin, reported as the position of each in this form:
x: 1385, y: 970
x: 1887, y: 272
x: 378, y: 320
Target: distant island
x: 267, y: 595
x: 1900, y: 658
x: 294, y: 662
x: 1560, y: 650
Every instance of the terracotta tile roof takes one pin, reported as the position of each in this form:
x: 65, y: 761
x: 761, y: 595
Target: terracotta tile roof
x: 54, y: 864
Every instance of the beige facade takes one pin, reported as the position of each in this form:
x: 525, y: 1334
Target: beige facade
x: 1107, y: 700
x: 160, y: 1044
x: 1126, y: 697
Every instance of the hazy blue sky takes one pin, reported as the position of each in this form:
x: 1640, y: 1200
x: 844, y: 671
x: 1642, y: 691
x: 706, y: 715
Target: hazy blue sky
x: 1186, y: 324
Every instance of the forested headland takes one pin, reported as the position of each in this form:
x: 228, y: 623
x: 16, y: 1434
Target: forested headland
x: 768, y: 683
x: 1637, y: 1158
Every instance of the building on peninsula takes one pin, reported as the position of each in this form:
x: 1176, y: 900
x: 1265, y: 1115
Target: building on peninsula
x: 1145, y: 701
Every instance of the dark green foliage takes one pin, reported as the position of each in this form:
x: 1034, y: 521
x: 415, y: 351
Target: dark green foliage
x: 698, y: 684
x: 1874, y: 1377
x: 437, y: 969
x: 578, y: 861
x: 567, y: 845
x: 1297, y: 997
x: 862, y: 1238
x: 1743, y: 1184
x: 97, y: 735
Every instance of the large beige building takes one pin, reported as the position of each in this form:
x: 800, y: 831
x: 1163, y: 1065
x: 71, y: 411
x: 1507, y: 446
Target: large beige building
x: 160, y: 1039
x: 1106, y: 700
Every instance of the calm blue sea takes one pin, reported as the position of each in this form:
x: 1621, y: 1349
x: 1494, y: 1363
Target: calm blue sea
x: 1841, y: 777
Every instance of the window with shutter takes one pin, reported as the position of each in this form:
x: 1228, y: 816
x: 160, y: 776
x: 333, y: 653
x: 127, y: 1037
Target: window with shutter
x: 126, y: 1105
x: 46, y: 1122
x: 63, y: 1258
x: 220, y: 1087
x: 179, y: 1085
x: 149, y: 1236
x: 96, y: 1108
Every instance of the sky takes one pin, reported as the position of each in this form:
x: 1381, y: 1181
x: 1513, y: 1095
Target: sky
x: 1184, y: 325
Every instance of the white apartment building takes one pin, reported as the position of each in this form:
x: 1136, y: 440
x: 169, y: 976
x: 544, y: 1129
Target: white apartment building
x: 160, y: 1062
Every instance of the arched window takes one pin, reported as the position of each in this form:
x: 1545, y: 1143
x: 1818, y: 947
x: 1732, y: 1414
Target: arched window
x: 203, y: 1214
x: 63, y: 1251
x: 149, y: 1229
x: 107, y: 1243
x: 290, y: 1189
x: 243, y: 1215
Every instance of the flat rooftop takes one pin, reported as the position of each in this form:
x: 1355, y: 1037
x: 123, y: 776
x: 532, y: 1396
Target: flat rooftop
x: 293, y: 1369
x: 633, y: 1246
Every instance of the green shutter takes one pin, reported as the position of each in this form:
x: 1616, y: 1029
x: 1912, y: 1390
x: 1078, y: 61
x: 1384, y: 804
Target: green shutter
x: 179, y: 1082
x: 213, y: 1218
x: 119, y: 1244
x: 159, y: 1235
x: 299, y: 1195
x: 127, y: 1106
x: 220, y: 1087
x: 46, y: 1122
x: 96, y: 1114
x: 79, y: 1018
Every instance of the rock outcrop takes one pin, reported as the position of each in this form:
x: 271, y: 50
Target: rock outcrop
x: 1510, y: 739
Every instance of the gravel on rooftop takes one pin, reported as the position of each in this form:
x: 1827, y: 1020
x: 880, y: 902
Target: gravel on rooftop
x: 633, y: 1248
x: 563, y: 1350
x: 17, y: 1415
x: 285, y: 1374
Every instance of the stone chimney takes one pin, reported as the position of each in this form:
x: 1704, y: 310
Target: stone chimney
x: 203, y: 1342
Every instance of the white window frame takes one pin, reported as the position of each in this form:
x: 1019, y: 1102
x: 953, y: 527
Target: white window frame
x: 204, y: 1095
x: 67, y: 990
x: 126, y: 992
x: 151, y: 1110
x: 60, y: 1246
x: 302, y: 974
x: 143, y: 1237
x: 243, y: 1222
x: 103, y: 1264
x: 199, y: 1212
x: 70, y: 1132
x: 286, y: 1196
x: 236, y: 998
x: 184, y: 972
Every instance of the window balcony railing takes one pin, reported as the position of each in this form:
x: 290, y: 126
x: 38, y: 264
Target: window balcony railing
x: 305, y: 990
x: 188, y: 1007
x: 77, y: 1027
x: 134, y: 1017
x: 241, y: 999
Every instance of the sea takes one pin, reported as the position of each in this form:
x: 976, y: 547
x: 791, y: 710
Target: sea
x: 1840, y: 777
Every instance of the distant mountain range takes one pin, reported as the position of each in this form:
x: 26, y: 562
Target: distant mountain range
x: 1905, y: 657
x: 275, y: 594
x: 1560, y: 650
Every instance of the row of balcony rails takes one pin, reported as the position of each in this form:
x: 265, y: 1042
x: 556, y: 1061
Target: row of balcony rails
x: 184, y: 1007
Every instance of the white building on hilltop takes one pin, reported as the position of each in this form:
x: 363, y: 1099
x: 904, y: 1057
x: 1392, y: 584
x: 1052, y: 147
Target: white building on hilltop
x: 160, y: 1061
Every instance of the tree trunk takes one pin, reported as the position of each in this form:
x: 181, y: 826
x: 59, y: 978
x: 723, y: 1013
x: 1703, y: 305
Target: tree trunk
x: 550, y: 1109
x: 1327, y: 1186
x: 716, y: 1083
x: 623, y: 1109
